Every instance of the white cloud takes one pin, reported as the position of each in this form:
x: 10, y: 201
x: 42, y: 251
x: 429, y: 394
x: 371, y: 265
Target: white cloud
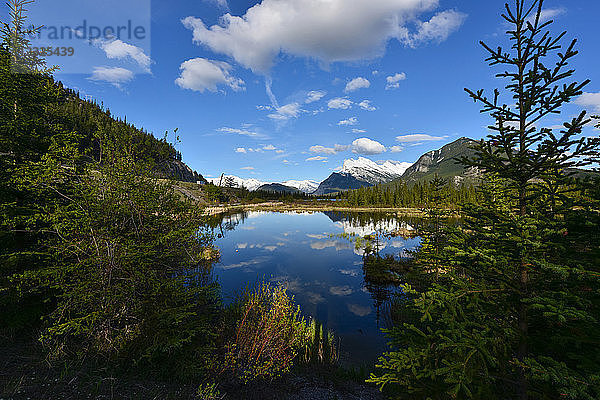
x: 113, y: 75
x: 437, y: 29
x: 322, y: 149
x: 200, y: 74
x: 418, y: 137
x: 314, y: 95
x: 396, y: 149
x: 317, y: 158
x: 348, y: 122
x: 243, y: 132
x: 328, y: 31
x: 375, y: 72
x: 548, y: 14
x: 341, y: 290
x: 269, y: 147
x: 117, y: 49
x: 355, y: 130
x: 339, y: 103
x: 393, y: 81
x: 366, y: 105
x: 286, y: 112
x: 366, y: 146
x: 358, y: 310
x: 248, y: 168
x: 335, y: 243
x: 357, y: 83
x: 589, y: 100
x: 338, y: 148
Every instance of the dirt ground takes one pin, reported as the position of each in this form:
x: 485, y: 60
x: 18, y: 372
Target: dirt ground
x: 23, y: 376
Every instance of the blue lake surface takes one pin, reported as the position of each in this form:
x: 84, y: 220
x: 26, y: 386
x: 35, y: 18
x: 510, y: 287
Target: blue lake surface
x: 321, y: 268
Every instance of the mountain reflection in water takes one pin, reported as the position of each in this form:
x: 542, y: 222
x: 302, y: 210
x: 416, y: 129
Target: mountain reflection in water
x: 319, y: 259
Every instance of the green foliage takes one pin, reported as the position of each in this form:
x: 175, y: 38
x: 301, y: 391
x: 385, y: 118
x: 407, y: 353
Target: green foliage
x: 514, y: 310
x: 96, y: 253
x: 214, y: 193
x: 209, y: 391
x: 401, y: 194
x: 319, y: 346
x: 270, y: 333
x: 118, y: 249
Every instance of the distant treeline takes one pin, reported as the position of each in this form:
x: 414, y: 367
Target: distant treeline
x: 401, y: 194
x: 231, y: 195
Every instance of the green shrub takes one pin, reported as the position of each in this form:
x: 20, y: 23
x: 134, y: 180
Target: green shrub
x: 269, y: 335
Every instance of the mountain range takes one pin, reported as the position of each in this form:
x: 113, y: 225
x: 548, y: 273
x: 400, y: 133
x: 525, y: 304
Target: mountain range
x: 306, y: 186
x: 361, y: 172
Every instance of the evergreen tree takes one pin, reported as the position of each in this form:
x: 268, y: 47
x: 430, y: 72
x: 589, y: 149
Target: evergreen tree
x: 515, y: 315
x: 27, y: 94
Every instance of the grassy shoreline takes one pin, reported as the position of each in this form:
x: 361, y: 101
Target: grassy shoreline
x: 316, y: 207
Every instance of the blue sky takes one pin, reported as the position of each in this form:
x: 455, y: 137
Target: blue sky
x: 288, y: 89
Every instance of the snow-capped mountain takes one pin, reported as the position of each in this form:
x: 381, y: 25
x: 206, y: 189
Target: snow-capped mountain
x: 369, y: 171
x: 250, y: 184
x: 356, y: 173
x: 306, y: 186
x: 361, y: 172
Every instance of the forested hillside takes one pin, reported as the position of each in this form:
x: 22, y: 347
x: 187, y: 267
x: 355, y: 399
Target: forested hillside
x: 88, y: 123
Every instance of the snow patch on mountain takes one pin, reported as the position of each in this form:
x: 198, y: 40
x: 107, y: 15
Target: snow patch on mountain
x: 372, y: 172
x: 250, y: 184
x: 306, y: 186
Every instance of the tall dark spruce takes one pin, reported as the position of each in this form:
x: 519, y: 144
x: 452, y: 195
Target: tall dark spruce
x: 514, y: 312
x: 518, y: 151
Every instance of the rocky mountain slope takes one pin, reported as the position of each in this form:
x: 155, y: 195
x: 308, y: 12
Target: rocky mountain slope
x: 338, y: 182
x: 177, y: 170
x: 442, y: 162
x: 278, y: 187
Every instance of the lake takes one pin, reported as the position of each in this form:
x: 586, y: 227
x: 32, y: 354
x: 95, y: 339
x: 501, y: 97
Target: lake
x: 315, y: 256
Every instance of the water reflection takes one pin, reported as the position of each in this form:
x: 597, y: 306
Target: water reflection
x: 329, y: 262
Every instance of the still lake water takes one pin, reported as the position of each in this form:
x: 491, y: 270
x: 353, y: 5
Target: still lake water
x: 321, y: 268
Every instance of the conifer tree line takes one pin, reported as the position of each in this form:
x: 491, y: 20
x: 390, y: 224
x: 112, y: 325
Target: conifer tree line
x: 401, y: 194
